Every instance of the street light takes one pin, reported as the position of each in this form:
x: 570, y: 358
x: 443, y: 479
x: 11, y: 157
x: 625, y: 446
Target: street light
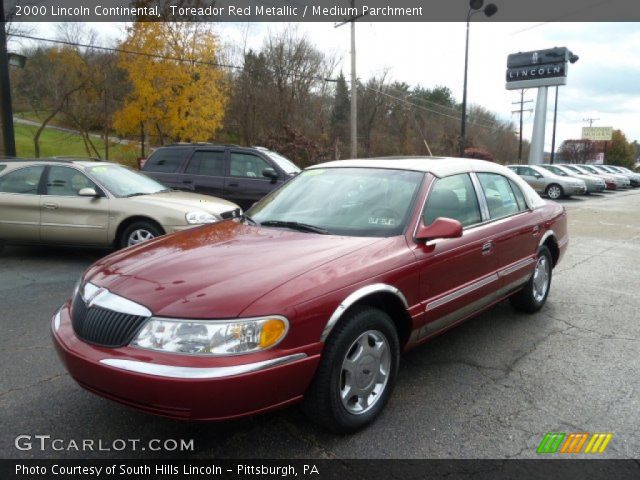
x: 475, y: 6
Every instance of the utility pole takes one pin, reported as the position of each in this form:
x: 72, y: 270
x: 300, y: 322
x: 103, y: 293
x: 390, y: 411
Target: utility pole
x: 6, y: 111
x: 590, y: 121
x: 520, y: 111
x: 354, y: 86
x: 106, y: 119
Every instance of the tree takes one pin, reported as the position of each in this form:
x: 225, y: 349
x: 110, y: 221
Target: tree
x: 577, y: 151
x: 620, y: 151
x: 49, y: 81
x: 479, y: 153
x: 341, y: 111
x: 179, y: 97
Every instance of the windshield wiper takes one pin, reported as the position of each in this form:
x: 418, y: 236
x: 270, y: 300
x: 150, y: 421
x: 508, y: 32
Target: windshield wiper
x: 246, y: 217
x: 302, y: 227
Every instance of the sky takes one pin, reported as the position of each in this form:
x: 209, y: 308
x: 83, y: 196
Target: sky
x: 602, y: 85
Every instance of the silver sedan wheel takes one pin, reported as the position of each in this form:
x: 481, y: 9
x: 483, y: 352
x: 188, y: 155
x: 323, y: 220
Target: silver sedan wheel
x: 138, y: 236
x: 365, y: 372
x: 554, y: 192
x: 541, y: 279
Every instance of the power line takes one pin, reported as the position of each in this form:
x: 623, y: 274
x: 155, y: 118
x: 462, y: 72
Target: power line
x: 407, y: 102
x: 452, y: 109
x: 162, y: 57
x: 128, y: 52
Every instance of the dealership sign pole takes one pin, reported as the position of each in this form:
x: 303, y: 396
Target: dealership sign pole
x: 538, y: 69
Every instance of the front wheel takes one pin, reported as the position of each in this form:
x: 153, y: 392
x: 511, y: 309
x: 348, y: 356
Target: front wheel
x: 139, y: 232
x: 357, y: 372
x: 534, y: 294
x: 554, y: 191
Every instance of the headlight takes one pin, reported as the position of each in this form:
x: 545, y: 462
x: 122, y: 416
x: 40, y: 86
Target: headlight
x: 198, y: 218
x: 212, y: 337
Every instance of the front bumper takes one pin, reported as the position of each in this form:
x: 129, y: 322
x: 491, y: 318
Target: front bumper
x: 575, y: 189
x: 185, y: 386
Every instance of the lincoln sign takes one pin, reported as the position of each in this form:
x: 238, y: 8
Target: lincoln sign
x: 540, y: 68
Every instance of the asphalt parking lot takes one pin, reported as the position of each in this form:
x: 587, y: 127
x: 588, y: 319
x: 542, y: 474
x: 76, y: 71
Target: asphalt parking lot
x: 489, y: 389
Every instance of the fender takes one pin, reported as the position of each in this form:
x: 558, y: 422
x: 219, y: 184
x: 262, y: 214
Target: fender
x: 547, y: 234
x: 354, y: 297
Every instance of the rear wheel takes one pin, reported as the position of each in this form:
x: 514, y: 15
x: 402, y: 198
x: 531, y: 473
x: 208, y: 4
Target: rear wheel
x: 357, y: 372
x: 534, y: 294
x: 554, y: 191
x: 138, y: 232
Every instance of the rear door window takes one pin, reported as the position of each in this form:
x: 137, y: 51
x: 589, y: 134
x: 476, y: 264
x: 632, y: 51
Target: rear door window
x: 24, y: 180
x: 207, y: 162
x: 166, y: 160
x: 497, y: 190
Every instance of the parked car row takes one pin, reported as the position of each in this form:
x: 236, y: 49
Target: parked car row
x: 563, y: 180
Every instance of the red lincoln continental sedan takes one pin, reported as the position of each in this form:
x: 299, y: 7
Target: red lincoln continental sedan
x: 313, y: 294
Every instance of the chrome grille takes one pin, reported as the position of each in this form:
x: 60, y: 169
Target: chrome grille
x: 103, y: 327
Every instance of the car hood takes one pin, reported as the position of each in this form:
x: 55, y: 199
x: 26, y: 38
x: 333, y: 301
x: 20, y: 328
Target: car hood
x: 216, y: 271
x: 185, y: 201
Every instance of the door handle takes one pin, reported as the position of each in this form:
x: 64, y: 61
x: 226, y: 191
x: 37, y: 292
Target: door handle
x: 50, y: 206
x: 486, y: 248
x: 536, y: 230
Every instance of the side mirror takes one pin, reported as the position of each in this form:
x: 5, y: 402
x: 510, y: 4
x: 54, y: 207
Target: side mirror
x: 88, y: 192
x: 270, y: 173
x: 440, y: 228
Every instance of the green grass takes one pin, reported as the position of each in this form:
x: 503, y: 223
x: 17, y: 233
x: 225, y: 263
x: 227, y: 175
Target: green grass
x: 54, y: 143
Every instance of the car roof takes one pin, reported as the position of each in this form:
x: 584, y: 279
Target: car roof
x: 17, y: 162
x: 438, y: 166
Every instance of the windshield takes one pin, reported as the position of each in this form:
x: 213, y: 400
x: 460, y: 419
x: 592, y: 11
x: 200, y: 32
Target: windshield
x: 573, y: 169
x: 123, y: 182
x: 589, y: 169
x: 555, y: 170
x: 284, y: 163
x: 361, y: 202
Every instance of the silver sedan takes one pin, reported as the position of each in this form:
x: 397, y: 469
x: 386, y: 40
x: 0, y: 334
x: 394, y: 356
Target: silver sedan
x: 545, y: 182
x: 594, y: 184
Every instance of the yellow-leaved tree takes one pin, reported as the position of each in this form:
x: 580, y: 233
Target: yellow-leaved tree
x: 177, y: 94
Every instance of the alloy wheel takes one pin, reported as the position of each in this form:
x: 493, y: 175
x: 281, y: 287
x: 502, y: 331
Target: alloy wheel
x: 541, y: 279
x: 138, y: 236
x: 365, y: 372
x: 554, y: 192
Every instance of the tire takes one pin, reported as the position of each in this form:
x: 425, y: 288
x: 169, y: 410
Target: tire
x: 138, y: 232
x: 323, y: 402
x: 1, y: 246
x: 554, y: 191
x: 534, y: 294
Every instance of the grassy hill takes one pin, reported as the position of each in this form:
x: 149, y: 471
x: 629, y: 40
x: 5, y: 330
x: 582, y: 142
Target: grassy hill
x: 55, y: 142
